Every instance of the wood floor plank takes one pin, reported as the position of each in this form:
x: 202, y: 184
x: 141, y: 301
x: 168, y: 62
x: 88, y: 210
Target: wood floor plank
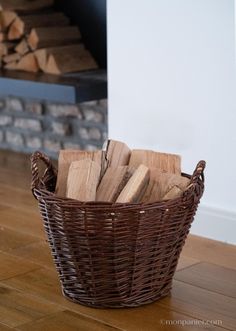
x: 211, y: 251
x: 66, y: 321
x: 38, y: 253
x: 127, y: 319
x: 201, y: 304
x: 11, y: 239
x: 211, y: 277
x: 26, y: 222
x: 44, y: 283
x: 21, y: 179
x: 13, y: 265
x: 185, y: 262
x: 41, y: 282
x: 17, y: 197
x: 16, y: 308
x: 5, y: 328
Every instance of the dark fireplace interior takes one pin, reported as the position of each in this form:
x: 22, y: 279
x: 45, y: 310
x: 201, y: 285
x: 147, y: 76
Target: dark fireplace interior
x: 90, y: 16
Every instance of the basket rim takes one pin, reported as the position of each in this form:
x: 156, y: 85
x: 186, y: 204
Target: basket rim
x: 41, y: 193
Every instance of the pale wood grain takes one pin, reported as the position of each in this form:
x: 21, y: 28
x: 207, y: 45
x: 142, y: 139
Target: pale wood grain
x: 42, y: 54
x: 83, y: 179
x: 135, y: 187
x: 66, y: 157
x: 163, y: 161
x: 117, y: 153
x: 6, y: 18
x: 162, y: 185
x: 113, y: 183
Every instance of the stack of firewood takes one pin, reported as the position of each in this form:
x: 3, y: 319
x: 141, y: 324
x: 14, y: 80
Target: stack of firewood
x: 120, y: 175
x: 35, y: 37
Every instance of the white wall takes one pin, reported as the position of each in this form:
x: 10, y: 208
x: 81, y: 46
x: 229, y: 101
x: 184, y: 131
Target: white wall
x: 171, y: 88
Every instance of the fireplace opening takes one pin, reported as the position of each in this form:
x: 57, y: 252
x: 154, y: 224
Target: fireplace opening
x: 56, y: 51
x: 49, y: 112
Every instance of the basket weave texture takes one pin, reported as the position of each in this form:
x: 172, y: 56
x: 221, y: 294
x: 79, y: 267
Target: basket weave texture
x: 114, y: 255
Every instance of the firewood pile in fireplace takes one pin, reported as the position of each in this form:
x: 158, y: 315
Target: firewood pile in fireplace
x: 35, y: 37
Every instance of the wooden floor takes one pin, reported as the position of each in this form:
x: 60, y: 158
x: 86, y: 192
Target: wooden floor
x: 30, y: 297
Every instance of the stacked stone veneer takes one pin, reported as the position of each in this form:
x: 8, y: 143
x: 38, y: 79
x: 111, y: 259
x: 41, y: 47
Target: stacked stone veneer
x: 27, y: 125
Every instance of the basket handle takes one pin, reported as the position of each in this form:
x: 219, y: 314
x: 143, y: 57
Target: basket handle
x: 198, y: 172
x: 35, y: 158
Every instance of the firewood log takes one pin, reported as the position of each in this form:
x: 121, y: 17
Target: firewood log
x: 42, y: 55
x: 83, y: 179
x: 70, y: 62
x: 136, y: 186
x: 53, y: 36
x: 22, y: 48
x: 113, y: 183
x: 23, y: 24
x: 117, y: 153
x: 27, y: 63
x: 6, y: 19
x: 163, y: 161
x: 11, y: 58
x: 161, y: 183
x: 3, y: 36
x: 66, y: 157
x: 6, y: 48
x: 25, y: 5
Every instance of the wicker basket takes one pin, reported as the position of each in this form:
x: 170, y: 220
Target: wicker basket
x: 114, y: 255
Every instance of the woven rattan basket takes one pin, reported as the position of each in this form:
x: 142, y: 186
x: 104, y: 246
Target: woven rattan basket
x: 114, y: 255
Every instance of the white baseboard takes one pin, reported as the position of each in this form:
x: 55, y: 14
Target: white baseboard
x: 214, y: 223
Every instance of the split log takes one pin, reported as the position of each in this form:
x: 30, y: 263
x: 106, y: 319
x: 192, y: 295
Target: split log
x: 15, y: 57
x: 3, y: 36
x: 42, y: 55
x: 53, y: 36
x: 27, y: 63
x: 6, y: 47
x: 117, y: 153
x: 113, y: 182
x: 83, y: 179
x: 22, y: 48
x: 67, y: 63
x: 174, y: 192
x: 23, y: 24
x: 6, y: 19
x: 136, y: 186
x: 163, y: 161
x: 25, y: 5
x: 66, y: 157
x: 11, y: 66
x: 162, y: 183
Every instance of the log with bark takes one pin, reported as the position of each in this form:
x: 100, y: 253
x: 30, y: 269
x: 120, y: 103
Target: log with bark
x: 42, y: 55
x: 22, y: 25
x: 53, y: 36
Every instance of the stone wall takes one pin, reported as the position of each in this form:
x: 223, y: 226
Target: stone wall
x: 29, y: 125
